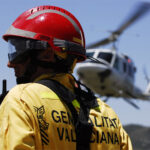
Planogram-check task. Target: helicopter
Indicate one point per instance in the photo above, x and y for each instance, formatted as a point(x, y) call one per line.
point(110, 73)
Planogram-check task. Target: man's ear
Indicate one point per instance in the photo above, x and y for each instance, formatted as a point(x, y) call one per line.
point(46, 55)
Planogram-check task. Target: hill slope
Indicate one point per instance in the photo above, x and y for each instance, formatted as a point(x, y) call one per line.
point(139, 135)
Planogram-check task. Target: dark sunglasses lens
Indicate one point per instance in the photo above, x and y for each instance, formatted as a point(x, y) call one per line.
point(20, 48)
point(16, 49)
point(17, 59)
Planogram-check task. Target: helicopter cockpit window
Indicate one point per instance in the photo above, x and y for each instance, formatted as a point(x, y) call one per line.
point(90, 54)
point(106, 56)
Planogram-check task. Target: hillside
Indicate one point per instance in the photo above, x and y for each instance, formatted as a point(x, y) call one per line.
point(139, 135)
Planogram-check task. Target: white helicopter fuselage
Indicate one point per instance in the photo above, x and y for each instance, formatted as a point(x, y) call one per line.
point(102, 79)
point(111, 74)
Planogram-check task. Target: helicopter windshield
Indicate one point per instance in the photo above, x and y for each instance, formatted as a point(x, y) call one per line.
point(90, 54)
point(106, 56)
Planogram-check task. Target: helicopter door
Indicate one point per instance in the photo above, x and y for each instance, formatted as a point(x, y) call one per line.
point(118, 64)
point(129, 69)
point(128, 75)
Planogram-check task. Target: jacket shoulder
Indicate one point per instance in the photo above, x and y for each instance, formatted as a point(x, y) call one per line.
point(28, 91)
point(105, 108)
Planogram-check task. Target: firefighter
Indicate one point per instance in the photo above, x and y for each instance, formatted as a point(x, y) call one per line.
point(49, 109)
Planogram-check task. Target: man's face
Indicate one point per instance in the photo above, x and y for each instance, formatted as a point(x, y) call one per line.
point(19, 68)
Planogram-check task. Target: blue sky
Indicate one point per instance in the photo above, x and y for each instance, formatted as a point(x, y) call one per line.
point(97, 18)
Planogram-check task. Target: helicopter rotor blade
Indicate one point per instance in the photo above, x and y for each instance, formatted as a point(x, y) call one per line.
point(131, 103)
point(142, 8)
point(99, 43)
point(140, 11)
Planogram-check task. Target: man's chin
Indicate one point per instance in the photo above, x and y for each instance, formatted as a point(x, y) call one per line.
point(21, 80)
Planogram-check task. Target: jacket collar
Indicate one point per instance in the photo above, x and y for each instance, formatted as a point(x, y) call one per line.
point(63, 78)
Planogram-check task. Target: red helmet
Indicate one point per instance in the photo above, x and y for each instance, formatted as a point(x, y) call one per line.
point(52, 24)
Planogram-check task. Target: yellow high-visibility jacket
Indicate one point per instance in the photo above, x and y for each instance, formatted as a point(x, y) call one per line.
point(32, 117)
